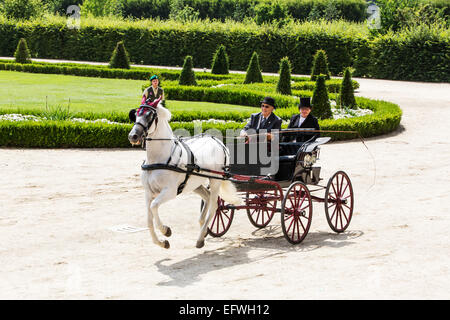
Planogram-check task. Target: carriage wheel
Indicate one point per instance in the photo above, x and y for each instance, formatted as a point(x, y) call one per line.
point(221, 221)
point(296, 212)
point(266, 203)
point(339, 201)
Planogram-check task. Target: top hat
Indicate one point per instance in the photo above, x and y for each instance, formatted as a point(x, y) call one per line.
point(305, 103)
point(269, 100)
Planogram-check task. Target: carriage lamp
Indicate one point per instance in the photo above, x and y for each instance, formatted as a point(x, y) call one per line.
point(309, 160)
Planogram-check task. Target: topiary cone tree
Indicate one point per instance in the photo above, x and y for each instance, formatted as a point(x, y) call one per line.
point(22, 54)
point(220, 61)
point(320, 65)
point(346, 93)
point(120, 58)
point(284, 80)
point(320, 102)
point(187, 76)
point(253, 70)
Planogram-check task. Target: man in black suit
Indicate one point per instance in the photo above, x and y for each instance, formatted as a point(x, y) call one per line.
point(265, 119)
point(303, 120)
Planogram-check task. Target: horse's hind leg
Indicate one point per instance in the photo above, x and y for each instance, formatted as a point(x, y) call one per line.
point(204, 193)
point(164, 196)
point(211, 207)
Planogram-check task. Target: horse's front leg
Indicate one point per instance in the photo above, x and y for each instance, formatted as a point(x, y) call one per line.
point(165, 195)
point(211, 206)
point(148, 201)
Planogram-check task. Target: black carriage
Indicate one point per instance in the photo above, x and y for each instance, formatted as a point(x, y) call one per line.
point(286, 190)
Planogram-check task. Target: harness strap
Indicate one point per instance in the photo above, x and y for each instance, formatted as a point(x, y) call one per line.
point(190, 166)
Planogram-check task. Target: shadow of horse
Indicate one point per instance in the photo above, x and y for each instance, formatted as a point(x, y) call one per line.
point(269, 243)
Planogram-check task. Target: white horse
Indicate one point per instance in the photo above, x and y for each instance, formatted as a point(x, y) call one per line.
point(161, 185)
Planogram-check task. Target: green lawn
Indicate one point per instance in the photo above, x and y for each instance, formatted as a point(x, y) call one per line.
point(29, 91)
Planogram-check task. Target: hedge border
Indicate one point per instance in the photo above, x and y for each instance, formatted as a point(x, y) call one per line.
point(137, 73)
point(66, 134)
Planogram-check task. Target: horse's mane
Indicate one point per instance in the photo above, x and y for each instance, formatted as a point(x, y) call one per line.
point(163, 113)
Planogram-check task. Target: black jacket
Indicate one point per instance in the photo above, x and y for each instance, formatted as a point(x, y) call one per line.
point(273, 122)
point(310, 122)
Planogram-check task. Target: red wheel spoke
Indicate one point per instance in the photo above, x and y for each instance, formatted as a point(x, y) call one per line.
point(291, 223)
point(346, 219)
point(337, 186)
point(303, 199)
point(212, 223)
point(298, 229)
point(340, 217)
point(343, 192)
point(293, 229)
point(342, 182)
point(337, 215)
point(346, 206)
point(335, 193)
point(333, 213)
point(303, 227)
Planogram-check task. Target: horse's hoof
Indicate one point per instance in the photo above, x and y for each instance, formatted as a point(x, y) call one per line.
point(200, 244)
point(168, 232)
point(166, 244)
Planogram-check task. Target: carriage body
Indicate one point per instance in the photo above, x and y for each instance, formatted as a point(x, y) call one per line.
point(285, 189)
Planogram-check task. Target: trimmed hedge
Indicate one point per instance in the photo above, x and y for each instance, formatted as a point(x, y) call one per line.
point(167, 42)
point(206, 79)
point(421, 53)
point(55, 134)
point(351, 10)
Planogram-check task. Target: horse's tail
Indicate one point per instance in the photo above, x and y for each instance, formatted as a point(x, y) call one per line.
point(229, 193)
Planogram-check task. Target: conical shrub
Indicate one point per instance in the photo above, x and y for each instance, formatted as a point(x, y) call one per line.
point(220, 62)
point(284, 80)
point(320, 65)
point(253, 70)
point(319, 101)
point(120, 58)
point(187, 76)
point(22, 54)
point(346, 93)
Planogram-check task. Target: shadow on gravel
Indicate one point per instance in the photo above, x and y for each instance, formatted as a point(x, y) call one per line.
point(268, 244)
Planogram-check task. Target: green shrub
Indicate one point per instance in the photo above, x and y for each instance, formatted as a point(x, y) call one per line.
point(331, 12)
point(420, 53)
point(266, 12)
point(220, 62)
point(284, 81)
point(351, 10)
point(320, 100)
point(22, 9)
point(187, 76)
point(253, 74)
point(169, 40)
point(100, 8)
point(22, 54)
point(120, 58)
point(346, 94)
point(320, 65)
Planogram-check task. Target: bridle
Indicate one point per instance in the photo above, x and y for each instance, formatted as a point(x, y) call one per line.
point(148, 111)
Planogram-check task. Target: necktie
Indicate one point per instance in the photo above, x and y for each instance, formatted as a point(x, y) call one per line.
point(263, 122)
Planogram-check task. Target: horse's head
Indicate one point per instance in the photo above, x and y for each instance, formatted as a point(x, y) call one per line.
point(145, 119)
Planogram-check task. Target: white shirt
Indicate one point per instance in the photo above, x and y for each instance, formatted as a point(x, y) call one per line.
point(300, 121)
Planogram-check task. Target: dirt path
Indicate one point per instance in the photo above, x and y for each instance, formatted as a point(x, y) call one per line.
point(56, 208)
